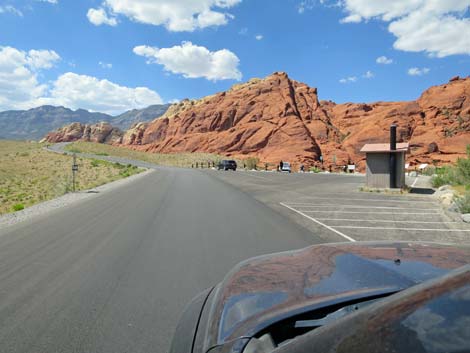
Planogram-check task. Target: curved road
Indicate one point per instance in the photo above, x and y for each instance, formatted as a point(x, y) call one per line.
point(113, 273)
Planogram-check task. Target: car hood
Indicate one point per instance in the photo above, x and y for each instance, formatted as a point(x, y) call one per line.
point(270, 288)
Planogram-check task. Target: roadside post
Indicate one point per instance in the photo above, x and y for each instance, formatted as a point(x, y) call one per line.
point(74, 170)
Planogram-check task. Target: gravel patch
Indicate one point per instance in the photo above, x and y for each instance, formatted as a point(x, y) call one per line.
point(46, 207)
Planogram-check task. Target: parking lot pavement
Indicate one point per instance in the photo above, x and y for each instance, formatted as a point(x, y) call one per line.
point(367, 217)
point(334, 209)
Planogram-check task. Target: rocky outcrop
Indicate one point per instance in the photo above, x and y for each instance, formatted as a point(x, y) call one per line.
point(101, 133)
point(437, 125)
point(277, 118)
point(273, 118)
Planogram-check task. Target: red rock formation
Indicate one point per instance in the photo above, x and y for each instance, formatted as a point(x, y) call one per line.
point(278, 118)
point(101, 132)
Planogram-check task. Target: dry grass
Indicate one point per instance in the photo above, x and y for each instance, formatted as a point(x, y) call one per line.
point(29, 174)
point(168, 159)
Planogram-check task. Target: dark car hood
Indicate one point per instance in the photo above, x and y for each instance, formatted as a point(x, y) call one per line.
point(266, 289)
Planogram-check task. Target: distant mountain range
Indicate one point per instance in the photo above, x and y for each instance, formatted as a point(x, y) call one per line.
point(34, 124)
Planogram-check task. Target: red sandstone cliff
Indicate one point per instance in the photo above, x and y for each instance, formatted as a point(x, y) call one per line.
point(278, 118)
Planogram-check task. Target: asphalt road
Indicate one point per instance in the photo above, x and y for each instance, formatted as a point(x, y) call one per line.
point(112, 274)
point(334, 209)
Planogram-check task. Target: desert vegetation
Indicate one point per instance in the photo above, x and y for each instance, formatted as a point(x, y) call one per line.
point(168, 159)
point(458, 176)
point(29, 174)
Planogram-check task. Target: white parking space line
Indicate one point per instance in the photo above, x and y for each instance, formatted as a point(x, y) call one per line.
point(354, 199)
point(368, 207)
point(367, 213)
point(382, 221)
point(318, 222)
point(414, 229)
point(414, 182)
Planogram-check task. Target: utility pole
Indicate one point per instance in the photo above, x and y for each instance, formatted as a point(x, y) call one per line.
point(74, 170)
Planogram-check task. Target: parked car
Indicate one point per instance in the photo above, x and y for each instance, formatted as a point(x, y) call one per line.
point(361, 297)
point(286, 167)
point(227, 165)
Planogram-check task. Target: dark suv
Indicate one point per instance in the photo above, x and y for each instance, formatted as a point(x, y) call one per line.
point(227, 164)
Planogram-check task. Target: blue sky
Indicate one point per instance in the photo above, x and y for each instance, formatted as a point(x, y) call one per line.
point(94, 54)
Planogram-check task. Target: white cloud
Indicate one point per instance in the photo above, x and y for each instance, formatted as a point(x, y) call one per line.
point(349, 79)
point(259, 37)
point(42, 59)
point(416, 71)
point(383, 60)
point(11, 9)
point(368, 75)
point(19, 83)
point(49, 1)
point(193, 61)
point(20, 87)
point(99, 17)
point(175, 15)
point(305, 5)
point(439, 28)
point(105, 65)
point(81, 91)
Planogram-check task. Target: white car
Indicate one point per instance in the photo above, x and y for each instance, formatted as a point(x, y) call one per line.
point(286, 167)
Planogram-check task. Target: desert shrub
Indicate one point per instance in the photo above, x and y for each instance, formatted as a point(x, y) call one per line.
point(463, 202)
point(463, 171)
point(18, 207)
point(95, 163)
point(73, 150)
point(438, 180)
point(430, 171)
point(251, 162)
point(453, 175)
point(315, 169)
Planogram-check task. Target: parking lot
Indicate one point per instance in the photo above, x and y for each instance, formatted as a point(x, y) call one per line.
point(334, 208)
point(370, 217)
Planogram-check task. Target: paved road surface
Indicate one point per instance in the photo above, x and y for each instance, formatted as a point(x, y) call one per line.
point(113, 274)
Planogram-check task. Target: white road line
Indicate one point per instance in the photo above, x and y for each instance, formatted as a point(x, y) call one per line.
point(379, 207)
point(350, 199)
point(414, 182)
point(363, 212)
point(419, 229)
point(320, 223)
point(380, 221)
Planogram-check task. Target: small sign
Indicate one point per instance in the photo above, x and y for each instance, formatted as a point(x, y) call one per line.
point(407, 165)
point(423, 166)
point(351, 167)
point(75, 167)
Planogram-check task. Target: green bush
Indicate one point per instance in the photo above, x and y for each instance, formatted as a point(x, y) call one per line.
point(251, 162)
point(73, 150)
point(18, 207)
point(95, 163)
point(463, 171)
point(463, 203)
point(438, 180)
point(449, 175)
point(315, 169)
